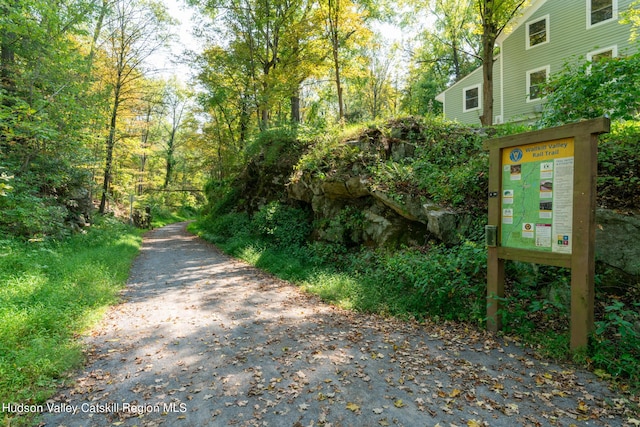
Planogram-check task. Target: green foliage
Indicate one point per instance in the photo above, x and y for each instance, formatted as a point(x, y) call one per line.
point(49, 292)
point(282, 225)
point(44, 200)
point(4, 179)
point(441, 282)
point(224, 227)
point(536, 295)
point(222, 197)
point(45, 109)
point(586, 90)
point(619, 166)
point(616, 344)
point(632, 16)
point(274, 224)
point(451, 166)
point(328, 152)
point(273, 144)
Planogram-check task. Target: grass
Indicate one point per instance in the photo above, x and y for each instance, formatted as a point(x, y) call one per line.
point(50, 292)
point(161, 217)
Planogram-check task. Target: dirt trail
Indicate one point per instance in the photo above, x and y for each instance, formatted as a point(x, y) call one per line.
point(204, 340)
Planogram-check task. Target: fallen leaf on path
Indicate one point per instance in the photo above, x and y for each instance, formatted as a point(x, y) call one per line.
point(353, 407)
point(511, 409)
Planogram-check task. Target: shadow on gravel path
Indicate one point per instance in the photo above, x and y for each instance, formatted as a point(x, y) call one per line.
point(201, 339)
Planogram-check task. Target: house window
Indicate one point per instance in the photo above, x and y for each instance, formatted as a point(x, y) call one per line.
point(601, 11)
point(538, 32)
point(536, 79)
point(606, 53)
point(602, 54)
point(471, 98)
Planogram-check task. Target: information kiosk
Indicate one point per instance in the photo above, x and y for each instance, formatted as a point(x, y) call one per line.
point(542, 202)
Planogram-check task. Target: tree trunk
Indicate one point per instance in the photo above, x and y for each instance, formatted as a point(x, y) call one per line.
point(336, 64)
point(495, 16)
point(108, 166)
point(143, 162)
point(96, 32)
point(295, 108)
point(333, 17)
point(455, 52)
point(489, 34)
point(487, 86)
point(244, 120)
point(170, 161)
point(110, 144)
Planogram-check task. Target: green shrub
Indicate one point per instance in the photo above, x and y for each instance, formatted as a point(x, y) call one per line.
point(222, 197)
point(27, 214)
point(447, 283)
point(273, 144)
point(283, 225)
point(584, 90)
point(616, 344)
point(619, 166)
point(227, 226)
point(452, 167)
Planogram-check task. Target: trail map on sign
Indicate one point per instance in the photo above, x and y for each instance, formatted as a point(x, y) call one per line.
point(537, 196)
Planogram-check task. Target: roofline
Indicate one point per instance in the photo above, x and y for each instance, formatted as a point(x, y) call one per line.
point(440, 97)
point(520, 19)
point(512, 25)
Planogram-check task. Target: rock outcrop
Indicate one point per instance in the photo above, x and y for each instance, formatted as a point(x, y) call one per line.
point(352, 208)
point(388, 220)
point(618, 240)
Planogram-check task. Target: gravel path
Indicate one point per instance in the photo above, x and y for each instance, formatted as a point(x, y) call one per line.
point(201, 339)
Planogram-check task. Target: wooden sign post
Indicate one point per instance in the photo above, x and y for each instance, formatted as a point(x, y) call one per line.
point(542, 202)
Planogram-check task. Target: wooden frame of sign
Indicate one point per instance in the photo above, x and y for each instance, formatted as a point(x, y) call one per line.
point(542, 201)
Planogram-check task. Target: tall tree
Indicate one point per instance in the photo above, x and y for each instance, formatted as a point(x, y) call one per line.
point(133, 31)
point(266, 40)
point(494, 17)
point(177, 102)
point(149, 111)
point(446, 51)
point(455, 33)
point(8, 39)
point(370, 90)
point(342, 20)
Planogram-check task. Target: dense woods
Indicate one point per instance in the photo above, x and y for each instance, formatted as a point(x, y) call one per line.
point(88, 121)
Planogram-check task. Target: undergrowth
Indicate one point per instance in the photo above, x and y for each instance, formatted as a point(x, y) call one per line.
point(49, 293)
